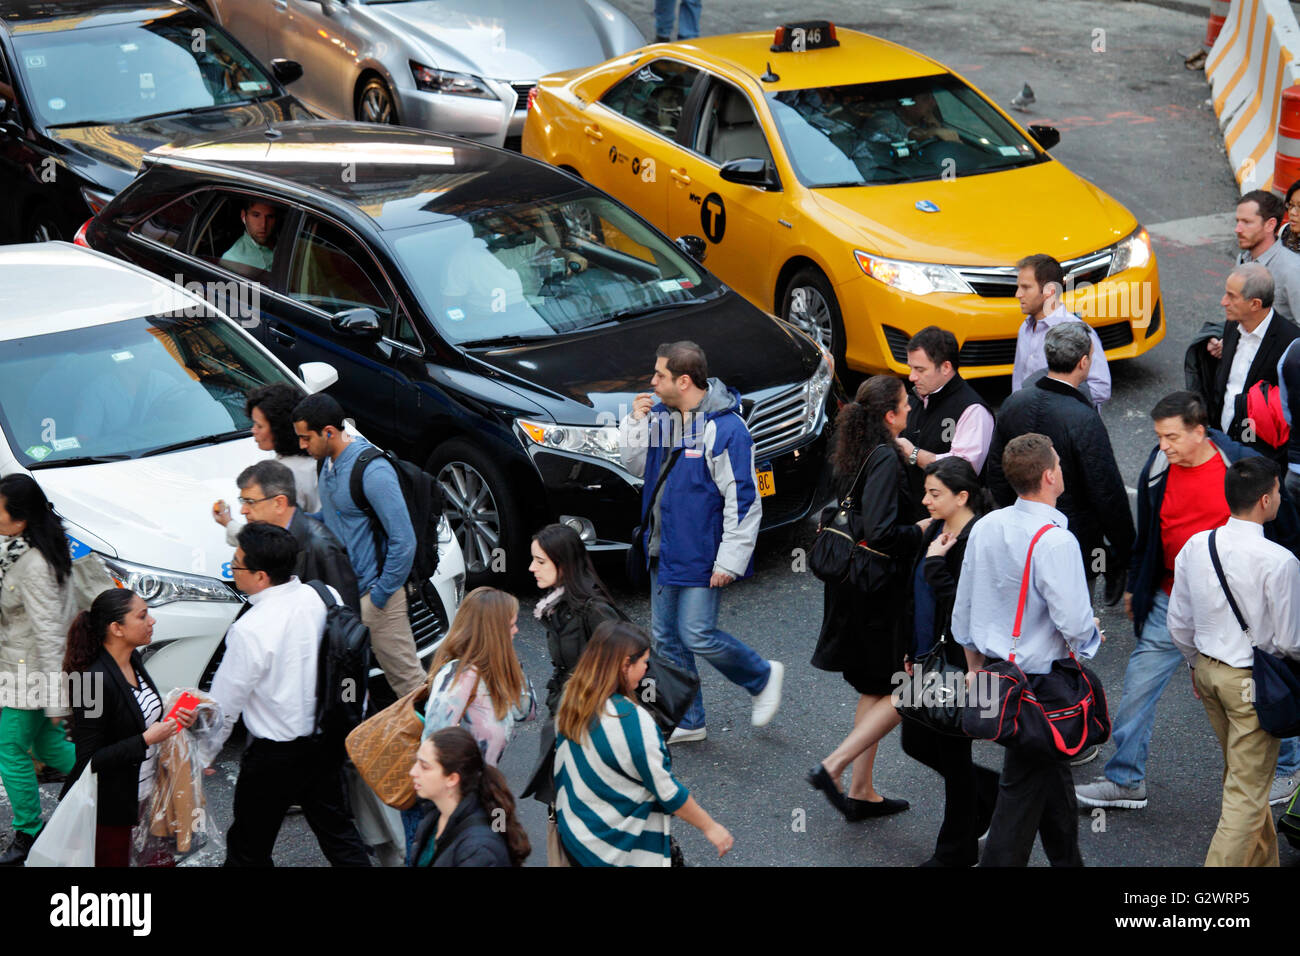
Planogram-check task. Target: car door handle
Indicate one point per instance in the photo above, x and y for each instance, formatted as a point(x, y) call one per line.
point(594, 132)
point(680, 176)
point(282, 336)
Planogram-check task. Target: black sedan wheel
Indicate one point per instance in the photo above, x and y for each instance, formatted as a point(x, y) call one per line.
point(42, 225)
point(481, 509)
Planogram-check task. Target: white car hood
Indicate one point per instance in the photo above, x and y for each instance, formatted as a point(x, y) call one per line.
point(155, 511)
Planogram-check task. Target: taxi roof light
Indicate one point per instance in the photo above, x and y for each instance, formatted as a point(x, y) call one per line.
point(803, 36)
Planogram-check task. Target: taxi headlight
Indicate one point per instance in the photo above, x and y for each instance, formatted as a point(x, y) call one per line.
point(1133, 253)
point(918, 278)
point(600, 441)
point(159, 587)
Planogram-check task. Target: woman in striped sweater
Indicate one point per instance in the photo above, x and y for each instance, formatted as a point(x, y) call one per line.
point(614, 782)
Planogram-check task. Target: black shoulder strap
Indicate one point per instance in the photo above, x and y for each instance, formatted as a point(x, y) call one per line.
point(663, 476)
point(322, 591)
point(847, 501)
point(358, 492)
point(1223, 582)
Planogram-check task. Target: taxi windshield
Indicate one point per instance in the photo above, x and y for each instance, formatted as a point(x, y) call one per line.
point(930, 127)
point(544, 267)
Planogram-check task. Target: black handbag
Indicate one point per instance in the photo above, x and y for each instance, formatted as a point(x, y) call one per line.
point(934, 692)
point(636, 562)
point(840, 552)
point(1277, 687)
point(667, 691)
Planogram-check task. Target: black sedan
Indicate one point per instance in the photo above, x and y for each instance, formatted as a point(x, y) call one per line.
point(88, 86)
point(490, 317)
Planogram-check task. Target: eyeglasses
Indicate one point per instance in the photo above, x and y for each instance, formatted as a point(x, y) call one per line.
point(249, 502)
point(238, 567)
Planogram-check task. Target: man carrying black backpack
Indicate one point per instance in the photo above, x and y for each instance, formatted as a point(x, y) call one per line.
point(382, 551)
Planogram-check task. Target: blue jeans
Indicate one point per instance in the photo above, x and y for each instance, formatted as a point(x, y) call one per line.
point(1155, 659)
point(684, 623)
point(688, 21)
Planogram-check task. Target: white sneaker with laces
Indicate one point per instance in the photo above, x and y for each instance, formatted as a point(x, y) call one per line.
point(683, 736)
point(768, 701)
point(1283, 788)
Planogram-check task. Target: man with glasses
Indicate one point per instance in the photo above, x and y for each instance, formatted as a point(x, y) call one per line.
point(267, 492)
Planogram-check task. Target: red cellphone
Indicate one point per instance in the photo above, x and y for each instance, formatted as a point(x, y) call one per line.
point(187, 701)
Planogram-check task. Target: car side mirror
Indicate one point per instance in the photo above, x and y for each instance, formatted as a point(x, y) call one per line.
point(357, 323)
point(1045, 136)
point(693, 246)
point(750, 172)
point(9, 118)
point(317, 376)
point(286, 71)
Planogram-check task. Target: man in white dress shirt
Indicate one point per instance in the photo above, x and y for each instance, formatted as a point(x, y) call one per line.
point(1033, 795)
point(268, 675)
point(1264, 578)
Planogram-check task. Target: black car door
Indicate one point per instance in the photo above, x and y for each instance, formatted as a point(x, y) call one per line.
point(21, 166)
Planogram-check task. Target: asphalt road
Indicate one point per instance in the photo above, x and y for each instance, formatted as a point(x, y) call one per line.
point(1137, 123)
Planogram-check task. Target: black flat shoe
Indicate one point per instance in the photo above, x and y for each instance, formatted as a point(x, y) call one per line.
point(819, 779)
point(21, 845)
point(855, 810)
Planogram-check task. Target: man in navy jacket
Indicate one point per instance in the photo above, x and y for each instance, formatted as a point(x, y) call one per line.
point(702, 526)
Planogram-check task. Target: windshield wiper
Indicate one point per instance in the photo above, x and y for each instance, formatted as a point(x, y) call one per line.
point(79, 460)
point(198, 109)
point(80, 124)
point(858, 182)
point(503, 340)
point(192, 442)
point(623, 315)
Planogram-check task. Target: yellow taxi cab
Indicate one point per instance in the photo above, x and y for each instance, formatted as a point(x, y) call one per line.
point(853, 187)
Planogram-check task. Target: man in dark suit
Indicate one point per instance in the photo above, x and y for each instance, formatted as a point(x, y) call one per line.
point(267, 493)
point(1254, 339)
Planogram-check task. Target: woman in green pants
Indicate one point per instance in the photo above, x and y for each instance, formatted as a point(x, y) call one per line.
point(36, 607)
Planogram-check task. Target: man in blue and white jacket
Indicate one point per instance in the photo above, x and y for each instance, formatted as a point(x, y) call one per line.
point(700, 532)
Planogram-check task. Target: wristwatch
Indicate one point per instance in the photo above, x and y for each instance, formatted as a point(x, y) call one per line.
point(911, 459)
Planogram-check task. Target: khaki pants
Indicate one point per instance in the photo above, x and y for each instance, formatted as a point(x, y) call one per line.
point(392, 642)
point(1245, 835)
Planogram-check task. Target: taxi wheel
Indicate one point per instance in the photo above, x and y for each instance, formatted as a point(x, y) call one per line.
point(809, 304)
point(375, 103)
point(480, 508)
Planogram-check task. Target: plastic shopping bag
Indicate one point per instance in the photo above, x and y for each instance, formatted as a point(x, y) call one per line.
point(174, 822)
point(69, 838)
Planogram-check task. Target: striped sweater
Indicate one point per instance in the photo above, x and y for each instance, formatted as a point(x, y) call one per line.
point(616, 790)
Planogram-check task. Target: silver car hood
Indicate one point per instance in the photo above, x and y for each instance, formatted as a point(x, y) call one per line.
point(512, 40)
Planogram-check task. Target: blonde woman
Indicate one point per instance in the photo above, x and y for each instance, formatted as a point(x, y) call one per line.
point(614, 782)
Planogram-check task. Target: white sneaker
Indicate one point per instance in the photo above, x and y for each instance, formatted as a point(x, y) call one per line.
point(768, 700)
point(1282, 789)
point(683, 736)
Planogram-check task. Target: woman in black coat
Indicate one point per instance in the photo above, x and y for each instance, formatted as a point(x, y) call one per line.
point(955, 500)
point(575, 602)
point(473, 821)
point(863, 636)
point(117, 722)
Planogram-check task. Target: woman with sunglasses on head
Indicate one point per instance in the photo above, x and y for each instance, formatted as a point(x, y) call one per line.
point(36, 605)
point(956, 500)
point(614, 783)
point(118, 725)
point(472, 821)
point(1287, 234)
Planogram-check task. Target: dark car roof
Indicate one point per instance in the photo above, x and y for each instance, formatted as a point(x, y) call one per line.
point(75, 14)
point(398, 177)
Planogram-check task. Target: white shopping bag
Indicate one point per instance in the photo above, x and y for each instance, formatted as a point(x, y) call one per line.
point(69, 838)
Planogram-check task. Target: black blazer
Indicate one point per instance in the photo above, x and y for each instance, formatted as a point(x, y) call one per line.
point(1281, 333)
point(110, 737)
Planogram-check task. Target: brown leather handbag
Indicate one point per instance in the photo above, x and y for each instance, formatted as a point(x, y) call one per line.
point(383, 748)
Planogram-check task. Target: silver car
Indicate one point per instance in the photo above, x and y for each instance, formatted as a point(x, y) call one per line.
point(454, 66)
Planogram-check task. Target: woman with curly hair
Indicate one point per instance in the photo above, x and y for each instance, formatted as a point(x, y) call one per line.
point(863, 636)
point(270, 407)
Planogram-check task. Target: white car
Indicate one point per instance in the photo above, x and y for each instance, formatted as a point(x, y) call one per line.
point(122, 394)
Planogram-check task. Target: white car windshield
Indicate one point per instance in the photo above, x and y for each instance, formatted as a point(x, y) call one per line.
point(129, 71)
point(127, 389)
point(544, 268)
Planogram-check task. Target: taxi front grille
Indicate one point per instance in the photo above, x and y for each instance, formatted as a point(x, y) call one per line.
point(999, 282)
point(1003, 351)
point(778, 422)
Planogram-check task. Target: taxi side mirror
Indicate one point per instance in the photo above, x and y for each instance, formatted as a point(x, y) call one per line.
point(357, 323)
point(693, 246)
point(1045, 136)
point(750, 172)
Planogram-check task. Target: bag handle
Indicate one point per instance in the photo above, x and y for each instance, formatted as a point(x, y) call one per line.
point(1227, 592)
point(1024, 590)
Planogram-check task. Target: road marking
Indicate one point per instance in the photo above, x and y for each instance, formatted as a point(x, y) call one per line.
point(1197, 230)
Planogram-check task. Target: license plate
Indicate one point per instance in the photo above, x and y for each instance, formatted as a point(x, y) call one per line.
point(766, 484)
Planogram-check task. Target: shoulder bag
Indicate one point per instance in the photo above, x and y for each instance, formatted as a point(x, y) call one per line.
point(932, 694)
point(636, 555)
point(1277, 688)
point(840, 552)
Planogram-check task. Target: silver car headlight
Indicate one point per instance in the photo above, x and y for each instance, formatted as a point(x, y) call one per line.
point(817, 387)
point(430, 80)
point(918, 278)
point(159, 587)
point(1133, 253)
point(600, 441)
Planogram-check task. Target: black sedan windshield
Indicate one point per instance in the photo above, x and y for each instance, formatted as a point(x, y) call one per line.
point(931, 127)
point(544, 268)
point(125, 71)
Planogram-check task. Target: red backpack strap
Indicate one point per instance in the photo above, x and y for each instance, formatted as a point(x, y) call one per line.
point(1024, 589)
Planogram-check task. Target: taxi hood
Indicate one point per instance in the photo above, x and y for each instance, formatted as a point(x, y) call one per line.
point(155, 511)
point(1039, 208)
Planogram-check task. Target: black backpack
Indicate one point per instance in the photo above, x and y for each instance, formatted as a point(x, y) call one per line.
point(423, 503)
point(342, 670)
